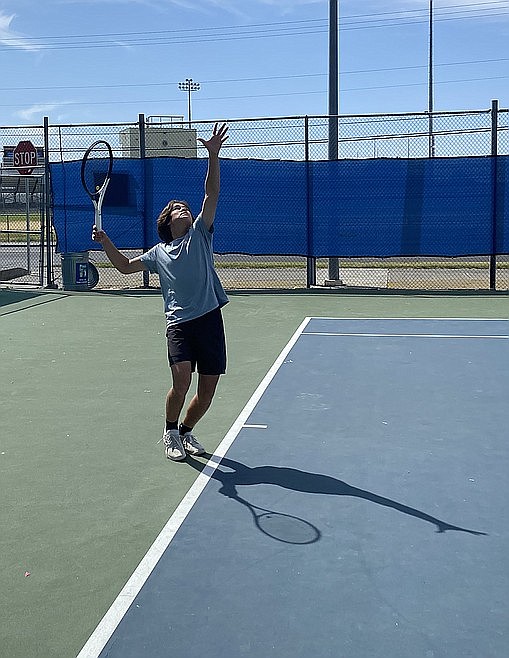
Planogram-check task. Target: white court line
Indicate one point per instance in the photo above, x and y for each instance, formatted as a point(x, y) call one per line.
point(359, 319)
point(324, 333)
point(256, 427)
point(120, 606)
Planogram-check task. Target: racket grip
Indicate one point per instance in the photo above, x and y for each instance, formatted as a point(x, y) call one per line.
point(99, 222)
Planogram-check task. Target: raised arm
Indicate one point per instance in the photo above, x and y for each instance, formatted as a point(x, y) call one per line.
point(117, 259)
point(212, 179)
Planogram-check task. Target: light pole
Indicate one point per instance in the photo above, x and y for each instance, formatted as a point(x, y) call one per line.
point(333, 104)
point(333, 80)
point(431, 137)
point(189, 86)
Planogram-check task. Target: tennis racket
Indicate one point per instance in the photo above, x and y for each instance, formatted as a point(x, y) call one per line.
point(285, 528)
point(96, 169)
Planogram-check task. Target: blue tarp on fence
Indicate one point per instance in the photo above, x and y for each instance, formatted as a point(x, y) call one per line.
point(73, 213)
point(346, 208)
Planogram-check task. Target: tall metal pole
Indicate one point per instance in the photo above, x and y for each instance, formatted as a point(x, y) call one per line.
point(333, 103)
point(50, 279)
point(189, 86)
point(431, 137)
point(333, 80)
point(495, 202)
point(143, 157)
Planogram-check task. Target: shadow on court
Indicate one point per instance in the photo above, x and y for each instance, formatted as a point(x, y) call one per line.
point(303, 481)
point(25, 299)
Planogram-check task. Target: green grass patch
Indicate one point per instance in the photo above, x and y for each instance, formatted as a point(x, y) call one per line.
point(19, 220)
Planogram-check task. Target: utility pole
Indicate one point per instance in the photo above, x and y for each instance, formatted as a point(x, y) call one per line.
point(333, 80)
point(333, 105)
point(189, 86)
point(431, 137)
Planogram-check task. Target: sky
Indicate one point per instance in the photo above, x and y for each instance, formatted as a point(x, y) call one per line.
point(92, 61)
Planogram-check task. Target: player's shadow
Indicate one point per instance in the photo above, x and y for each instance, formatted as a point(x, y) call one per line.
point(239, 474)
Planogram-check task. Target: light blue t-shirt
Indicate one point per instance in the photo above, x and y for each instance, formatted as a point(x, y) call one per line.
point(189, 283)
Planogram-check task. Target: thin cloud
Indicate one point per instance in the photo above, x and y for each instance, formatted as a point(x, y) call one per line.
point(123, 44)
point(290, 4)
point(10, 38)
point(39, 110)
point(284, 5)
point(240, 8)
point(151, 4)
point(205, 6)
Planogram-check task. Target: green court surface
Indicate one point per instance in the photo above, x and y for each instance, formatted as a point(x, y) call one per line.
point(85, 488)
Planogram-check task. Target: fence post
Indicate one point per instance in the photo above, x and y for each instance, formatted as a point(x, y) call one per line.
point(143, 155)
point(311, 260)
point(50, 279)
point(494, 186)
point(334, 270)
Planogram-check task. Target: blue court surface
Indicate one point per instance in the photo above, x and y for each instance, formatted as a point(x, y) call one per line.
point(356, 508)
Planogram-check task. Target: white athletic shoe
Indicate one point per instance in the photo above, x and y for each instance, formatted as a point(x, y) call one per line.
point(173, 447)
point(191, 444)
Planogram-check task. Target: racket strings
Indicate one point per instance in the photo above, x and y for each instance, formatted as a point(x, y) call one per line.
point(96, 167)
point(95, 174)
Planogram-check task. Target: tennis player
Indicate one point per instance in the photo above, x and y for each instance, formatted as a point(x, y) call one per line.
point(193, 297)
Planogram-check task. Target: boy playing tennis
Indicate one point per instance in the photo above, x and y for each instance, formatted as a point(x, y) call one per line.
point(193, 297)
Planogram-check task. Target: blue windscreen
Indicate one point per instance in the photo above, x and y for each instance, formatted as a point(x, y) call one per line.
point(501, 240)
point(73, 212)
point(428, 207)
point(346, 208)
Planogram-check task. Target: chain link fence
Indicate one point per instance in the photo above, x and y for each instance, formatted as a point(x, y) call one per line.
point(27, 244)
point(22, 216)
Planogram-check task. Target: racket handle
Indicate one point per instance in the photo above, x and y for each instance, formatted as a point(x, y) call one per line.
point(99, 222)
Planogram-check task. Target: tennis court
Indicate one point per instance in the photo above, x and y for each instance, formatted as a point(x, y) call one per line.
point(374, 433)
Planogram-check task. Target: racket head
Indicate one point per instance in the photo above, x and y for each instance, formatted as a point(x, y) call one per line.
point(96, 166)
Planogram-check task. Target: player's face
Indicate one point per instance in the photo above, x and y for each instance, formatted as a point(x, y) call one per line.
point(181, 219)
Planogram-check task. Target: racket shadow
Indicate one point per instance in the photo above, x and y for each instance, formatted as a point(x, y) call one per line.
point(285, 528)
point(239, 474)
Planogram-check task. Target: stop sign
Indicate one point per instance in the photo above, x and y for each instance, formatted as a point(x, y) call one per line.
point(25, 157)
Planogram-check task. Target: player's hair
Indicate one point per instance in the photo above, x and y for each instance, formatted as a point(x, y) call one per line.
point(164, 220)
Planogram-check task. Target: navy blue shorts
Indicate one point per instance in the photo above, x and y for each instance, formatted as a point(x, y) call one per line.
point(200, 341)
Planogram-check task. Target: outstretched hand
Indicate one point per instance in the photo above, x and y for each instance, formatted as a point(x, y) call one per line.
point(219, 136)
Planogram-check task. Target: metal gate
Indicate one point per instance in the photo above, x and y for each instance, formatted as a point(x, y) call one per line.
point(22, 227)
